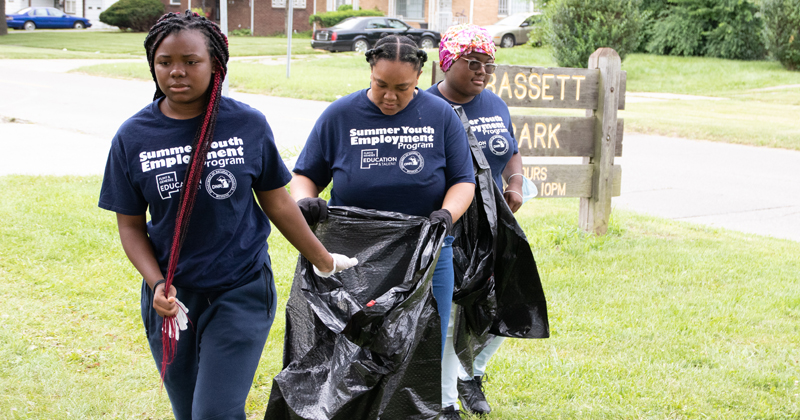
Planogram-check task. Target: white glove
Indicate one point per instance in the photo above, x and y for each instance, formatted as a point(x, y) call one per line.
point(179, 322)
point(340, 262)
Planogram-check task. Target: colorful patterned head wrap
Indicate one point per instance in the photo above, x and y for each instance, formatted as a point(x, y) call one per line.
point(461, 40)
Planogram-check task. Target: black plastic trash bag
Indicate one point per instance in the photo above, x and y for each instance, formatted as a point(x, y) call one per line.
point(497, 285)
point(366, 342)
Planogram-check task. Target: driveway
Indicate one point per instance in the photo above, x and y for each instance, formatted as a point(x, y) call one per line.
point(68, 120)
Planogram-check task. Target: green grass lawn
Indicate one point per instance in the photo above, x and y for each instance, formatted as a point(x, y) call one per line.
point(46, 44)
point(656, 320)
point(749, 115)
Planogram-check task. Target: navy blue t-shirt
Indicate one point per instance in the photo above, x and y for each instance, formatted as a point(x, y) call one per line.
point(490, 121)
point(226, 242)
point(403, 162)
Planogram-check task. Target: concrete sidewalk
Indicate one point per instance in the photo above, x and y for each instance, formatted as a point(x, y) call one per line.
point(69, 120)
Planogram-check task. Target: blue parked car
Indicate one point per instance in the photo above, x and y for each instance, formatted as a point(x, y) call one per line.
point(31, 18)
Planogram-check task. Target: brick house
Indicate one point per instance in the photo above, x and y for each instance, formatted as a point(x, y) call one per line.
point(268, 17)
point(441, 14)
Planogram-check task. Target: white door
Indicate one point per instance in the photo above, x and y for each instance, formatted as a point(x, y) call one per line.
point(93, 10)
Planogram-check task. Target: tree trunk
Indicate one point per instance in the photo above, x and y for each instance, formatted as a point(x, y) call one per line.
point(3, 27)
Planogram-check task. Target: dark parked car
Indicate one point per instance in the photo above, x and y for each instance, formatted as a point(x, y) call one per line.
point(361, 33)
point(31, 18)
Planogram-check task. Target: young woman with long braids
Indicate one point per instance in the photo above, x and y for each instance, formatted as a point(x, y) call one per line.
point(466, 56)
point(425, 166)
point(194, 159)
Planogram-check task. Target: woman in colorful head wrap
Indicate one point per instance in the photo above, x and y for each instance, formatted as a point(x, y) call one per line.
point(466, 55)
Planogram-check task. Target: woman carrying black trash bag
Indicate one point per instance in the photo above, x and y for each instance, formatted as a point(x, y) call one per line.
point(466, 56)
point(391, 147)
point(208, 295)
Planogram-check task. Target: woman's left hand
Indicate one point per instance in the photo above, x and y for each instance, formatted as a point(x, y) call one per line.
point(513, 198)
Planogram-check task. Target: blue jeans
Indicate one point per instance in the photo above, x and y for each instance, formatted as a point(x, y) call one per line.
point(482, 359)
point(443, 283)
point(218, 354)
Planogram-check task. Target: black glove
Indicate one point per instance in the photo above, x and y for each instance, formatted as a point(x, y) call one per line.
point(443, 216)
point(314, 209)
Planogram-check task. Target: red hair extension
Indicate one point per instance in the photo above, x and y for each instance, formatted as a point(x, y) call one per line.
point(188, 197)
point(217, 44)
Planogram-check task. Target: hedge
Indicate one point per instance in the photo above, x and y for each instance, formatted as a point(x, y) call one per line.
point(328, 19)
point(138, 15)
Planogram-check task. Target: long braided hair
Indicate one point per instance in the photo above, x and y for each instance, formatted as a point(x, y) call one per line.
point(397, 48)
point(217, 44)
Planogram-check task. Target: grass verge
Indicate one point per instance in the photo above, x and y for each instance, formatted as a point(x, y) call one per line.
point(750, 114)
point(46, 44)
point(731, 121)
point(658, 319)
point(14, 52)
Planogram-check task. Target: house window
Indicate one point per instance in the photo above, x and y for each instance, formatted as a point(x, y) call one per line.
point(509, 7)
point(411, 9)
point(280, 4)
point(69, 6)
point(175, 2)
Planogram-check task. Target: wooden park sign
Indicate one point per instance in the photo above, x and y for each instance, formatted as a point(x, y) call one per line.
point(597, 137)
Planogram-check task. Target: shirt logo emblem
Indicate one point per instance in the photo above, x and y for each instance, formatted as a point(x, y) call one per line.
point(498, 145)
point(168, 184)
point(220, 184)
point(412, 162)
point(370, 158)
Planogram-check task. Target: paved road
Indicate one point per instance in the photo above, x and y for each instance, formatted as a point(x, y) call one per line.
point(71, 118)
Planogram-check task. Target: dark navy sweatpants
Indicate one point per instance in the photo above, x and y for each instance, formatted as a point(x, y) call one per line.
point(218, 354)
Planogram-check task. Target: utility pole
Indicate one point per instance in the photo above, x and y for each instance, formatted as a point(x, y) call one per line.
point(223, 25)
point(289, 18)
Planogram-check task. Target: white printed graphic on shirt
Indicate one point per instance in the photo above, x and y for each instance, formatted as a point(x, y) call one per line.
point(404, 137)
point(221, 154)
point(488, 125)
point(370, 158)
point(412, 162)
point(498, 145)
point(220, 184)
point(168, 184)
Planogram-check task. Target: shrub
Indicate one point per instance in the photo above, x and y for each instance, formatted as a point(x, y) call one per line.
point(651, 10)
point(329, 19)
point(240, 32)
point(782, 19)
point(540, 29)
point(200, 11)
point(579, 28)
point(138, 15)
point(714, 28)
point(343, 7)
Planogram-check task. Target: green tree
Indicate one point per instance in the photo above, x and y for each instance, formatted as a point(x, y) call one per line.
point(782, 18)
point(715, 28)
point(578, 28)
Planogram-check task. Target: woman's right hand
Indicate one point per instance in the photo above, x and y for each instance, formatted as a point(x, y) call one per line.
point(314, 210)
point(165, 306)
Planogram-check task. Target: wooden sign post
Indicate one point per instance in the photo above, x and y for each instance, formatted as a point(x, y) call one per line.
point(597, 137)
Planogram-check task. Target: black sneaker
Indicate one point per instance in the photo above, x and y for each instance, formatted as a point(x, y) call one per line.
point(450, 413)
point(470, 393)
